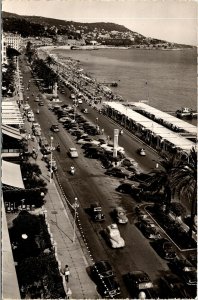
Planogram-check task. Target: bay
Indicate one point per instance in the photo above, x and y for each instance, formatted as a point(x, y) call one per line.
point(168, 79)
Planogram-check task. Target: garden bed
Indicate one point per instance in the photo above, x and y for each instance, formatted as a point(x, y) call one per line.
point(37, 269)
point(173, 229)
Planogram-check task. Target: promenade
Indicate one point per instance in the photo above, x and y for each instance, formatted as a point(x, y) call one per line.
point(61, 226)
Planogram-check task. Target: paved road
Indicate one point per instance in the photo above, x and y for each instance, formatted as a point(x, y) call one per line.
point(90, 184)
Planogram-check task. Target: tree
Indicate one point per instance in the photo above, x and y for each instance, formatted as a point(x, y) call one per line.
point(50, 60)
point(184, 183)
point(161, 178)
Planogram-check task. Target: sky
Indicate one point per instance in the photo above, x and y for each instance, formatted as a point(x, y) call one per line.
point(170, 20)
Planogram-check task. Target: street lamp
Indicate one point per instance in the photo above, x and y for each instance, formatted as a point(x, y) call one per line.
point(75, 206)
point(51, 171)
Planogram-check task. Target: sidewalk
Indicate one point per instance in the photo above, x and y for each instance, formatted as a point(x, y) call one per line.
point(61, 228)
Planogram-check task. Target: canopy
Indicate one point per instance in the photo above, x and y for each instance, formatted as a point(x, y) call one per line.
point(11, 175)
point(165, 116)
point(11, 114)
point(157, 129)
point(10, 131)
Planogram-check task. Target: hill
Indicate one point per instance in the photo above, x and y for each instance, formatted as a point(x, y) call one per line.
point(102, 32)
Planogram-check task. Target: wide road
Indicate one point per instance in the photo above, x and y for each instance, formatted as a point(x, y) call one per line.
point(89, 184)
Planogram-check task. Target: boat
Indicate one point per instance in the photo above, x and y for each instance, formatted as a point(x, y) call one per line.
point(186, 112)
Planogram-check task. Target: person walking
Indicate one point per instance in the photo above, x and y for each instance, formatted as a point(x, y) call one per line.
point(67, 273)
point(69, 293)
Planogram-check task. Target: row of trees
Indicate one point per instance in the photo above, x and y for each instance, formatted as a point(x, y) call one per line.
point(177, 178)
point(44, 71)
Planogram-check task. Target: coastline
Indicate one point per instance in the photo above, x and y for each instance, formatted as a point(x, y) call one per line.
point(98, 47)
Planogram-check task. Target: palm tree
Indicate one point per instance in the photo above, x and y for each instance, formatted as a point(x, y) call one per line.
point(161, 178)
point(49, 60)
point(184, 183)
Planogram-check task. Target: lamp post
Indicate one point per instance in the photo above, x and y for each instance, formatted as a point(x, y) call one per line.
point(51, 139)
point(75, 206)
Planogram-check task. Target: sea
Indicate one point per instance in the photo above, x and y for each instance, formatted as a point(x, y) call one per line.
point(167, 79)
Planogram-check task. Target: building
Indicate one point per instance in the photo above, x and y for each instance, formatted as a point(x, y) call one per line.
point(3, 50)
point(13, 40)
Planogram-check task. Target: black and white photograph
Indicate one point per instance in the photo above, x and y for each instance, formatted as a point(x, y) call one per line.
point(99, 149)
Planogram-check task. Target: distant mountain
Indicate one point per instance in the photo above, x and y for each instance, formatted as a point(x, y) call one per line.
point(108, 33)
point(49, 26)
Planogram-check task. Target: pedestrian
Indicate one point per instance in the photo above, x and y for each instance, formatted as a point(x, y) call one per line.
point(69, 293)
point(102, 131)
point(67, 273)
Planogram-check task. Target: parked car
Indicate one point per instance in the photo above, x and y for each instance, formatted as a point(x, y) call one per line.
point(72, 96)
point(120, 215)
point(73, 153)
point(114, 237)
point(108, 287)
point(172, 288)
point(41, 103)
point(130, 189)
point(84, 110)
point(149, 232)
point(141, 152)
point(96, 212)
point(185, 270)
point(102, 269)
point(139, 281)
point(84, 140)
point(118, 172)
point(37, 99)
point(54, 128)
point(165, 249)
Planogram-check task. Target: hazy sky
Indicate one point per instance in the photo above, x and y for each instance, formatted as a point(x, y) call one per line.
point(172, 20)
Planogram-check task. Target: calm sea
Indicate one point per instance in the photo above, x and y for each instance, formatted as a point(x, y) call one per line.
point(171, 76)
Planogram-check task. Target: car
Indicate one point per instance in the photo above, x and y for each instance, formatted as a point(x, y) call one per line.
point(128, 162)
point(137, 282)
point(109, 148)
point(172, 288)
point(80, 101)
point(165, 249)
point(148, 223)
point(41, 103)
point(96, 212)
point(31, 119)
point(37, 99)
point(185, 270)
point(149, 232)
point(54, 128)
point(62, 92)
point(73, 153)
point(102, 269)
point(84, 140)
point(130, 189)
point(26, 106)
point(84, 110)
point(118, 172)
point(113, 235)
point(51, 164)
point(93, 151)
point(108, 287)
point(72, 96)
point(141, 151)
point(120, 215)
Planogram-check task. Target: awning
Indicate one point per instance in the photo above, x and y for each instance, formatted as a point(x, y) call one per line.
point(11, 114)
point(10, 131)
point(155, 128)
point(11, 175)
